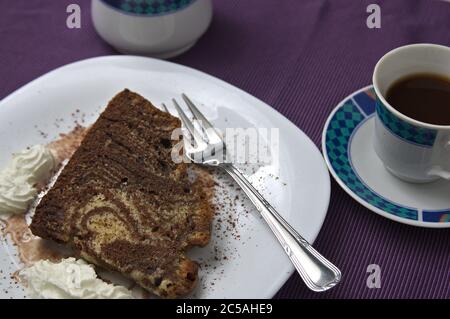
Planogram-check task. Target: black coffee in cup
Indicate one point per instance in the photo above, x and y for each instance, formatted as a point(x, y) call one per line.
point(423, 97)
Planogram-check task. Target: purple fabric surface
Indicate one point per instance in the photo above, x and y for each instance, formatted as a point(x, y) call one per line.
point(302, 58)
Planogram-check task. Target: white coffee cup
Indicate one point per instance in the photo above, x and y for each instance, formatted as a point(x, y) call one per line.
point(410, 149)
point(157, 28)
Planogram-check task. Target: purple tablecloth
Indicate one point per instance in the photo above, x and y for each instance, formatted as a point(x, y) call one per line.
point(301, 57)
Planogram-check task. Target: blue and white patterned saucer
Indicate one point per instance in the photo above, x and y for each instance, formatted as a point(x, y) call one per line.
point(351, 159)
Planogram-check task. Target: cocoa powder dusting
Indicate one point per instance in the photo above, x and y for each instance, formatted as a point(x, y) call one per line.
point(67, 144)
point(30, 248)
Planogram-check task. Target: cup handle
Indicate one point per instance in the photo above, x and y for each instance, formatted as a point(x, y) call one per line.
point(440, 171)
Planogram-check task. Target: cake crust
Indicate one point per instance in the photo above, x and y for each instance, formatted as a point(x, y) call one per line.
point(123, 204)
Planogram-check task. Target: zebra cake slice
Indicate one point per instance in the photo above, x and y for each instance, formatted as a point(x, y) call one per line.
point(124, 205)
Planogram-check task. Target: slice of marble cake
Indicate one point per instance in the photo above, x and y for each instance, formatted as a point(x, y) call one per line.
point(123, 204)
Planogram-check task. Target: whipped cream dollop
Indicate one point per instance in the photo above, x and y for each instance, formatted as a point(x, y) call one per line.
point(19, 178)
point(69, 279)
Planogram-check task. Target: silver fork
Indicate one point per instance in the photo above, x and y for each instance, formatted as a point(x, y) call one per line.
point(317, 272)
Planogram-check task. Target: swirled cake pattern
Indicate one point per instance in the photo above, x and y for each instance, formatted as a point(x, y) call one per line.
point(123, 204)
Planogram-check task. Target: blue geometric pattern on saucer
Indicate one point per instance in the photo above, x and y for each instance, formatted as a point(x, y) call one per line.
point(436, 216)
point(148, 7)
point(411, 133)
point(365, 103)
point(338, 135)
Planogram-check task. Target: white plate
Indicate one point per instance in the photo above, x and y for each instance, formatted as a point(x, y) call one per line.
point(256, 266)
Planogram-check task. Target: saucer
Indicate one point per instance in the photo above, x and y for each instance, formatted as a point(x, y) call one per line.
point(347, 144)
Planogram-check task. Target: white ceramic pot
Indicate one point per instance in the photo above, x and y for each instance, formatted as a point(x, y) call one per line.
point(157, 28)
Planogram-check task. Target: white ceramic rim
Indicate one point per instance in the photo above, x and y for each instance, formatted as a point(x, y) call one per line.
point(351, 193)
point(381, 96)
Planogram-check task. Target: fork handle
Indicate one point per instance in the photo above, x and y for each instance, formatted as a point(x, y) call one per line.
point(316, 271)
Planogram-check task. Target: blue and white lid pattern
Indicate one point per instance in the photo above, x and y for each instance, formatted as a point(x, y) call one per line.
point(149, 7)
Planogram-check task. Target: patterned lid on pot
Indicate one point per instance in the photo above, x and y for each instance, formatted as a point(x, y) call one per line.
point(148, 7)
